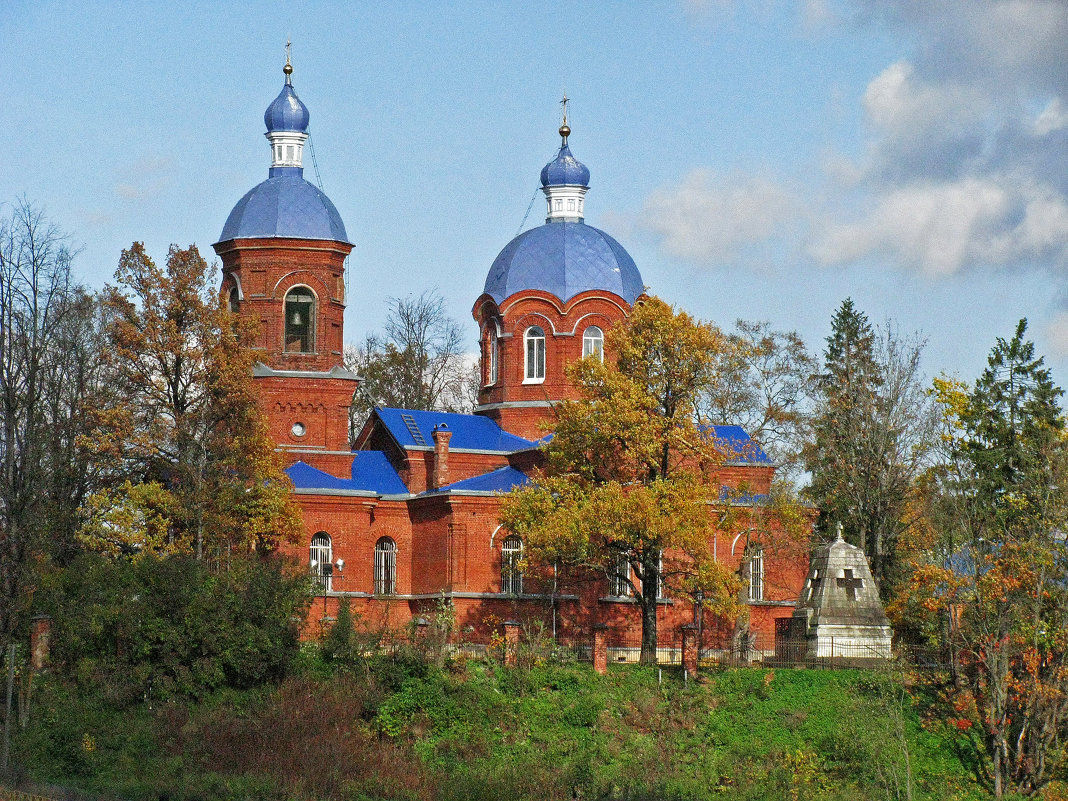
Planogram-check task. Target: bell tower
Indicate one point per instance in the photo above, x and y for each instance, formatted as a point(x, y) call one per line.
point(283, 251)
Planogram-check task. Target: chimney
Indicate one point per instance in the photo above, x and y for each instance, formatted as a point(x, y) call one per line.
point(440, 475)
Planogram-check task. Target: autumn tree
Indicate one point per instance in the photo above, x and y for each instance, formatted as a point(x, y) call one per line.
point(417, 363)
point(626, 490)
point(765, 383)
point(872, 433)
point(195, 468)
point(998, 570)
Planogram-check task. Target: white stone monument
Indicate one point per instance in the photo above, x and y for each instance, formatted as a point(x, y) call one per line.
point(839, 613)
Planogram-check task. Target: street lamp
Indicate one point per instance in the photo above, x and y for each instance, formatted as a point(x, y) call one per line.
point(326, 574)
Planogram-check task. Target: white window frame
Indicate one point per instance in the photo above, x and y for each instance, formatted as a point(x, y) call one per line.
point(755, 574)
point(511, 575)
point(385, 576)
point(534, 355)
point(660, 576)
point(593, 343)
point(321, 560)
point(494, 355)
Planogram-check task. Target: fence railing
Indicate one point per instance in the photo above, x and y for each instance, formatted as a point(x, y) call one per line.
point(836, 654)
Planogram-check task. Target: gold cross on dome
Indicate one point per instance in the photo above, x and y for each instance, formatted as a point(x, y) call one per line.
point(564, 104)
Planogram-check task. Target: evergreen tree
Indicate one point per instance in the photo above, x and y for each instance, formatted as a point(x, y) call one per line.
point(997, 570)
point(1013, 422)
point(871, 434)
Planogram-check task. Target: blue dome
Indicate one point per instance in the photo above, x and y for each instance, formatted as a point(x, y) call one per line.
point(285, 205)
point(565, 170)
point(287, 113)
point(564, 259)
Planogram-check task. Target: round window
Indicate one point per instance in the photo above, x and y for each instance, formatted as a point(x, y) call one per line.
point(299, 430)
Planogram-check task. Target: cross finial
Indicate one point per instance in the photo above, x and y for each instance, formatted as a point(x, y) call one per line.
point(565, 130)
point(288, 68)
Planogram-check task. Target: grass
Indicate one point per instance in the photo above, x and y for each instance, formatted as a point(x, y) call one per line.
point(475, 730)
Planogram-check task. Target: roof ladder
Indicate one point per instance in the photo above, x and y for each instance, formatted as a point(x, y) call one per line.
point(413, 429)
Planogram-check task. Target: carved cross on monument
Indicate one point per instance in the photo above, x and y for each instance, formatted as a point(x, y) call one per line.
point(851, 584)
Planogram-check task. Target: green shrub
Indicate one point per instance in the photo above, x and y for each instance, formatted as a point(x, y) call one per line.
point(157, 629)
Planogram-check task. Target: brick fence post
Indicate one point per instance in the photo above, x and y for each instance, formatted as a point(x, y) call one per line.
point(689, 649)
point(600, 648)
point(40, 640)
point(511, 642)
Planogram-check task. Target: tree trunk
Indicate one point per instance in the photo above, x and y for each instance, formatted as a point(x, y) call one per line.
point(649, 641)
point(650, 578)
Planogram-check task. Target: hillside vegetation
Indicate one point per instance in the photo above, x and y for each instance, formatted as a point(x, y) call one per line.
point(399, 726)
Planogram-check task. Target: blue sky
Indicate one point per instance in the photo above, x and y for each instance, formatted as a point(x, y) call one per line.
point(760, 160)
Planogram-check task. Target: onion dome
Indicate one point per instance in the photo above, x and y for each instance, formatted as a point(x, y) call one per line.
point(565, 170)
point(285, 205)
point(287, 113)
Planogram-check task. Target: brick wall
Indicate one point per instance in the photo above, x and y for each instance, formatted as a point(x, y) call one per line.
point(563, 325)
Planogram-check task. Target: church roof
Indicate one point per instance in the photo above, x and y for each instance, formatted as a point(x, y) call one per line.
point(503, 479)
point(564, 259)
point(285, 205)
point(371, 473)
point(739, 446)
point(413, 429)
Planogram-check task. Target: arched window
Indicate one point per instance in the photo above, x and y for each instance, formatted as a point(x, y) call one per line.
point(321, 560)
point(235, 300)
point(535, 360)
point(593, 343)
point(511, 575)
point(385, 567)
point(494, 354)
point(754, 569)
point(300, 320)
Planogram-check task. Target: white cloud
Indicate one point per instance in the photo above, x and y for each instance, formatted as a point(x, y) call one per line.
point(939, 228)
point(1057, 334)
point(708, 217)
point(1054, 117)
point(911, 116)
point(963, 162)
point(993, 43)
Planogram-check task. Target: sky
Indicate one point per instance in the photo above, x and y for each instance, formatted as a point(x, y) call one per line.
point(759, 159)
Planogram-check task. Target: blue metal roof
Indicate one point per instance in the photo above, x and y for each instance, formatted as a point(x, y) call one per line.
point(746, 499)
point(371, 472)
point(285, 205)
point(503, 479)
point(564, 259)
point(565, 170)
point(286, 112)
point(469, 431)
point(740, 447)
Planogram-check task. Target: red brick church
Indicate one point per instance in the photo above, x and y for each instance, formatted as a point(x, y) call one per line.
point(407, 513)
